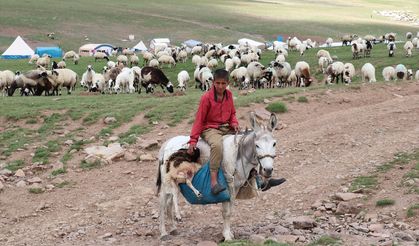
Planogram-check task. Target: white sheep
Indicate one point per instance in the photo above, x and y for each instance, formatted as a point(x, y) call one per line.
point(147, 57)
point(166, 59)
point(182, 56)
point(348, 72)
point(183, 79)
point(33, 58)
point(205, 78)
point(134, 60)
point(122, 59)
point(69, 54)
point(44, 61)
point(283, 71)
point(110, 64)
point(99, 83)
point(389, 73)
point(417, 75)
point(61, 64)
point(6, 79)
point(280, 58)
point(237, 61)
point(125, 81)
point(210, 53)
point(302, 48)
point(163, 53)
point(76, 59)
point(323, 64)
point(335, 70)
point(255, 71)
point(293, 43)
point(409, 35)
point(196, 59)
point(292, 78)
point(203, 61)
point(229, 64)
point(368, 73)
point(402, 72)
point(408, 47)
point(87, 78)
point(127, 52)
point(213, 63)
point(239, 76)
point(196, 50)
point(154, 63)
point(329, 42)
point(281, 50)
point(324, 53)
point(302, 71)
point(99, 55)
point(63, 78)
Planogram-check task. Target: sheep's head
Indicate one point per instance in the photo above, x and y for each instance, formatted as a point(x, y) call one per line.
point(89, 68)
point(409, 74)
point(169, 87)
point(149, 89)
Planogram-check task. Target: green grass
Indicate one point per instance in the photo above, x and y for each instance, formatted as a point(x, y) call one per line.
point(277, 107)
point(13, 139)
point(36, 190)
point(31, 121)
point(15, 165)
point(130, 137)
point(58, 171)
point(63, 184)
point(325, 240)
point(411, 211)
point(88, 166)
point(43, 153)
point(302, 99)
point(385, 202)
point(363, 182)
point(402, 158)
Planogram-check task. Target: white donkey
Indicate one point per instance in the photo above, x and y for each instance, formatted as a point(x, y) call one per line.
point(241, 154)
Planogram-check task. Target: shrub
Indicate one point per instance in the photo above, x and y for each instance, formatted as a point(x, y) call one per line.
point(277, 107)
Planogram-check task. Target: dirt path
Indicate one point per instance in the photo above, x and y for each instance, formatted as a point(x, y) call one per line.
point(338, 135)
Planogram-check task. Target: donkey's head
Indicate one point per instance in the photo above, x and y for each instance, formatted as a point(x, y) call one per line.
point(264, 143)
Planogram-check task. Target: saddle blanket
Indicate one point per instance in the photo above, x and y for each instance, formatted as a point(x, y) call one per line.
point(202, 182)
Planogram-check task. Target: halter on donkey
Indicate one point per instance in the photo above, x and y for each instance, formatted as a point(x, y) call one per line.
point(241, 154)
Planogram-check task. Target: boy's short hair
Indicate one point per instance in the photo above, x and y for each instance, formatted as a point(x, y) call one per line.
point(221, 74)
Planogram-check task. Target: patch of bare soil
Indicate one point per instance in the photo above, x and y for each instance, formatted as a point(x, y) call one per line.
point(322, 145)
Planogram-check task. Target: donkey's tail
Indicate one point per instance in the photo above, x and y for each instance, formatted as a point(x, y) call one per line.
point(158, 182)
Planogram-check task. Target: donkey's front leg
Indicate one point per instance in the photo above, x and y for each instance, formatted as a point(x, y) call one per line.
point(227, 209)
point(162, 214)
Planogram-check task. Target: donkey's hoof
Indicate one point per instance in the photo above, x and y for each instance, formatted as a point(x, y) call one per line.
point(174, 232)
point(165, 237)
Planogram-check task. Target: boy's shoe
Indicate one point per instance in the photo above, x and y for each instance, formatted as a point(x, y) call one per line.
point(271, 183)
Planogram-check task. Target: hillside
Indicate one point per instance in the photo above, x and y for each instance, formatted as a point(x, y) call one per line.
point(212, 21)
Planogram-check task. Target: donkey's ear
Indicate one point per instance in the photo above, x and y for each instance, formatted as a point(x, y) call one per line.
point(253, 121)
point(273, 121)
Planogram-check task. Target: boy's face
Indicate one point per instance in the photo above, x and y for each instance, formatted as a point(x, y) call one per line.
point(220, 85)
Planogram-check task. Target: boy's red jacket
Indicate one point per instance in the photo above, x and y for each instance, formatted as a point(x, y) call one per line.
point(212, 114)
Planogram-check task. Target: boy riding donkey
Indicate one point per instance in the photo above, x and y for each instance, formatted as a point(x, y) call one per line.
point(215, 118)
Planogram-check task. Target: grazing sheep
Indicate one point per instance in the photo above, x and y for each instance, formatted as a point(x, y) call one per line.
point(44, 61)
point(69, 54)
point(62, 78)
point(239, 77)
point(163, 53)
point(281, 51)
point(204, 78)
point(335, 70)
point(210, 53)
point(183, 79)
point(134, 60)
point(292, 79)
point(302, 71)
point(166, 59)
point(147, 57)
point(153, 76)
point(346, 39)
point(76, 59)
point(348, 72)
point(154, 63)
point(203, 61)
point(196, 60)
point(33, 58)
point(368, 73)
point(87, 78)
point(99, 83)
point(61, 64)
point(99, 55)
point(127, 52)
point(329, 42)
point(408, 47)
point(403, 73)
point(110, 76)
point(391, 46)
point(125, 81)
point(110, 64)
point(122, 59)
point(27, 82)
point(6, 80)
point(417, 75)
point(409, 35)
point(323, 64)
point(293, 43)
point(196, 50)
point(324, 53)
point(237, 61)
point(389, 73)
point(229, 64)
point(255, 72)
point(355, 47)
point(182, 56)
point(367, 48)
point(283, 71)
point(213, 63)
point(280, 58)
point(302, 48)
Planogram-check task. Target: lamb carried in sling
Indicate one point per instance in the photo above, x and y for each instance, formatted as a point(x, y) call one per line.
point(241, 155)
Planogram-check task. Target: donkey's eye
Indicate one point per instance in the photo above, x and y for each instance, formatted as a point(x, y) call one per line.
point(274, 144)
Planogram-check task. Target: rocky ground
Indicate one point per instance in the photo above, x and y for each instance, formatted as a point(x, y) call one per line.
point(323, 146)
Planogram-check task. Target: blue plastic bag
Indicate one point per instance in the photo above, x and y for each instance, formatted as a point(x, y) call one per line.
point(202, 182)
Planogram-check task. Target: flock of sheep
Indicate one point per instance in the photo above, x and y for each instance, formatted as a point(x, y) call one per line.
point(242, 61)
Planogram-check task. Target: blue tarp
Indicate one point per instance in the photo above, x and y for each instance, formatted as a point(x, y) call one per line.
point(191, 43)
point(202, 182)
point(15, 57)
point(52, 51)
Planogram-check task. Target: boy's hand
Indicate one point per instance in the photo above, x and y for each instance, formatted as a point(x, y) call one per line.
point(236, 128)
point(191, 148)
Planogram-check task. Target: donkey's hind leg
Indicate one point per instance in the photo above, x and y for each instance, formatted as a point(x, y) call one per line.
point(162, 213)
point(175, 192)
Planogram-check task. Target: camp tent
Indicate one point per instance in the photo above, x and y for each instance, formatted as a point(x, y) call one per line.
point(52, 51)
point(140, 47)
point(251, 43)
point(18, 50)
point(156, 41)
point(90, 49)
point(192, 43)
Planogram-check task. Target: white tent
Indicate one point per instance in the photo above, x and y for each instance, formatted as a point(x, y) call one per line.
point(251, 43)
point(159, 41)
point(19, 49)
point(140, 46)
